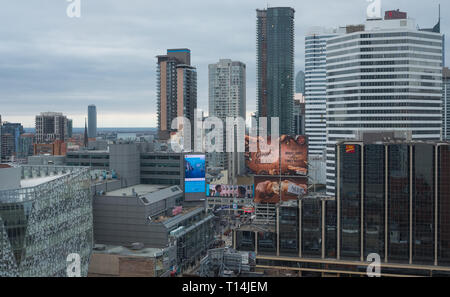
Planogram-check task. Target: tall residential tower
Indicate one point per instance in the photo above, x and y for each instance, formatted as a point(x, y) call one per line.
point(227, 98)
point(177, 89)
point(275, 66)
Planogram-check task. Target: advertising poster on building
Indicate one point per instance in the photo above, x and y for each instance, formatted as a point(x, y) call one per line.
point(194, 177)
point(267, 190)
point(230, 191)
point(261, 162)
point(293, 187)
point(294, 155)
point(291, 158)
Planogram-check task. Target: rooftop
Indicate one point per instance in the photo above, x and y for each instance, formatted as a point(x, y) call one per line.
point(125, 251)
point(36, 181)
point(140, 190)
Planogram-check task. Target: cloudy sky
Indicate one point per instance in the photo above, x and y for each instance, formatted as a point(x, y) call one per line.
point(50, 62)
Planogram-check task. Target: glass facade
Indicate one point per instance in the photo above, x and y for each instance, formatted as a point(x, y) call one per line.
point(330, 229)
point(350, 201)
point(398, 203)
point(423, 204)
point(275, 59)
point(311, 228)
point(374, 199)
point(400, 218)
point(289, 232)
point(40, 226)
point(245, 241)
point(267, 243)
point(444, 205)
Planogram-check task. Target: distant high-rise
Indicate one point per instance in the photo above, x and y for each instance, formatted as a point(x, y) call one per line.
point(1, 143)
point(275, 66)
point(446, 104)
point(177, 89)
point(92, 121)
point(299, 114)
point(383, 76)
point(300, 83)
point(51, 126)
point(227, 98)
point(69, 128)
point(316, 88)
point(13, 130)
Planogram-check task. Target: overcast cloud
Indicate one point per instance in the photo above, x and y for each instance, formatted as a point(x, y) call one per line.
point(49, 62)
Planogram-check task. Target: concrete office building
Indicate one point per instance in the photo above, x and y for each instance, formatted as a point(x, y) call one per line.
point(316, 88)
point(96, 159)
point(51, 126)
point(227, 99)
point(176, 89)
point(275, 66)
point(384, 75)
point(151, 216)
point(159, 168)
point(92, 121)
point(393, 199)
point(446, 105)
point(45, 215)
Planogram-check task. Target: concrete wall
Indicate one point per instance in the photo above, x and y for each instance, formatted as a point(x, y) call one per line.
point(102, 265)
point(46, 160)
point(9, 178)
point(123, 221)
point(125, 161)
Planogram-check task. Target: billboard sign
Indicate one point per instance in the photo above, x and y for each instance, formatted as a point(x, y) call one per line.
point(291, 158)
point(230, 191)
point(194, 177)
point(272, 190)
point(267, 190)
point(293, 187)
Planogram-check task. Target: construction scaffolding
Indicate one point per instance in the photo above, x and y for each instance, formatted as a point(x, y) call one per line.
point(225, 262)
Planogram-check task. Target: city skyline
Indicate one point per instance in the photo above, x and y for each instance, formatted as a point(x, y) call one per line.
point(72, 67)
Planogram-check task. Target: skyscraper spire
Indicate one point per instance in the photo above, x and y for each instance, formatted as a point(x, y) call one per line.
point(86, 139)
point(437, 28)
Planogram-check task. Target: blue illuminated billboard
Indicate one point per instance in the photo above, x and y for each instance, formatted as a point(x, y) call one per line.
point(194, 176)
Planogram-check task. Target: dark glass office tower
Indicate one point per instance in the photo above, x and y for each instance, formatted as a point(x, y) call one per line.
point(398, 202)
point(374, 199)
point(275, 65)
point(288, 220)
point(443, 241)
point(350, 201)
point(423, 204)
point(311, 228)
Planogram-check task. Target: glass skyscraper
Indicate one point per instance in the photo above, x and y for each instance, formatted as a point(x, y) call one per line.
point(316, 88)
point(275, 66)
point(446, 105)
point(92, 121)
